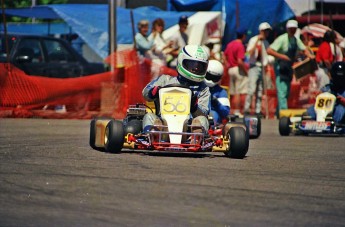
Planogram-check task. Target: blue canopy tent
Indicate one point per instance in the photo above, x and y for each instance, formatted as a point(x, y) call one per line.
point(90, 21)
point(246, 14)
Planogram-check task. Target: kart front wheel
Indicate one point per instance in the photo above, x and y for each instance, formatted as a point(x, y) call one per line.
point(114, 136)
point(284, 126)
point(238, 143)
point(93, 136)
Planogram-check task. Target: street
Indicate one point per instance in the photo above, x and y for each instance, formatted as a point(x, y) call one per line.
point(51, 177)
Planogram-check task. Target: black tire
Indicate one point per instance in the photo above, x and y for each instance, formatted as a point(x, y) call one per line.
point(239, 142)
point(114, 136)
point(134, 127)
point(258, 128)
point(93, 136)
point(284, 126)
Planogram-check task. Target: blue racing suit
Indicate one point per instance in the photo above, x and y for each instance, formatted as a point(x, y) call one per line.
point(339, 109)
point(220, 104)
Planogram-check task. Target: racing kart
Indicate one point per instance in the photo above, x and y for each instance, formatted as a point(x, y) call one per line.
point(177, 134)
point(304, 124)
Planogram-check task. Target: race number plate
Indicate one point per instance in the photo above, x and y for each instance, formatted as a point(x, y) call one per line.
point(316, 125)
point(325, 102)
point(176, 103)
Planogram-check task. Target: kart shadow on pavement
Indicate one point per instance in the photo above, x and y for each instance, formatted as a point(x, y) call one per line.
point(172, 154)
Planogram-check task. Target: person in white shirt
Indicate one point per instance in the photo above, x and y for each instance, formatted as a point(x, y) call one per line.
point(257, 61)
point(160, 47)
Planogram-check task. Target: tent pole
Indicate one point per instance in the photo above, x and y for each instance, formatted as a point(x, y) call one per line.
point(133, 31)
point(112, 32)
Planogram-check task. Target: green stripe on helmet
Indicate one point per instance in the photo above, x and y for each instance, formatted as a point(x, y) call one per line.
point(189, 74)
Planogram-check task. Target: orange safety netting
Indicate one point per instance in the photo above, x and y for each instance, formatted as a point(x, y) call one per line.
point(105, 94)
point(109, 93)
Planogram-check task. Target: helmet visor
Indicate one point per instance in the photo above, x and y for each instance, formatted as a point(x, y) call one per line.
point(212, 77)
point(196, 67)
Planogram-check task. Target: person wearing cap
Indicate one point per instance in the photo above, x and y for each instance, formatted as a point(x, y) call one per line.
point(143, 44)
point(258, 59)
point(179, 40)
point(285, 49)
point(234, 56)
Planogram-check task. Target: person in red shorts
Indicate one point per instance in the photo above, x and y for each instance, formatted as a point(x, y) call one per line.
point(234, 55)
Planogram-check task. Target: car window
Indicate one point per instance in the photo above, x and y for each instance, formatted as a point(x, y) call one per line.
point(10, 42)
point(30, 49)
point(57, 52)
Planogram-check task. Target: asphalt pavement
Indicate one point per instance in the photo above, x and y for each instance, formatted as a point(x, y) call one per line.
point(49, 176)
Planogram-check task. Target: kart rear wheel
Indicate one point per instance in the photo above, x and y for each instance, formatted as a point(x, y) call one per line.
point(284, 126)
point(238, 143)
point(134, 127)
point(114, 136)
point(92, 139)
point(258, 128)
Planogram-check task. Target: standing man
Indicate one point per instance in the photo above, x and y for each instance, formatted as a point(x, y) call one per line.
point(234, 55)
point(257, 61)
point(285, 48)
point(179, 40)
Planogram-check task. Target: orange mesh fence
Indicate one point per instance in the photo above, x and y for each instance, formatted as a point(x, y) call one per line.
point(105, 94)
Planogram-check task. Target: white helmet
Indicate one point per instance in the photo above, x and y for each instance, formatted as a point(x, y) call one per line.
point(214, 73)
point(192, 63)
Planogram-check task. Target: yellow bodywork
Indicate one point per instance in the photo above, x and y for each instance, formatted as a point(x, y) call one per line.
point(291, 112)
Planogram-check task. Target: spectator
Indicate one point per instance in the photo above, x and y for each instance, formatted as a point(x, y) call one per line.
point(308, 43)
point(337, 88)
point(143, 44)
point(220, 104)
point(179, 40)
point(284, 49)
point(160, 47)
point(234, 56)
point(258, 59)
point(325, 58)
point(337, 53)
point(191, 67)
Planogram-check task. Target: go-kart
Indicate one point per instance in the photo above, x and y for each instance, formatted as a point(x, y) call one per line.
point(304, 124)
point(177, 134)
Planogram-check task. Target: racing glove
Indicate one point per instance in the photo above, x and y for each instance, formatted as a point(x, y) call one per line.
point(154, 93)
point(193, 103)
point(341, 100)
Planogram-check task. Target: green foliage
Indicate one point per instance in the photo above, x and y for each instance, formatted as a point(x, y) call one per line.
point(27, 3)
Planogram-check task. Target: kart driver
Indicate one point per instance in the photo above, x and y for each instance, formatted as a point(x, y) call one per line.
point(220, 104)
point(337, 88)
point(191, 66)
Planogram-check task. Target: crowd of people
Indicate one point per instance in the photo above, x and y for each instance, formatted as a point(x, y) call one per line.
point(244, 63)
point(155, 47)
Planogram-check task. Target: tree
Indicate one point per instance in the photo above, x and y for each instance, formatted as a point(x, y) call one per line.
point(26, 3)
